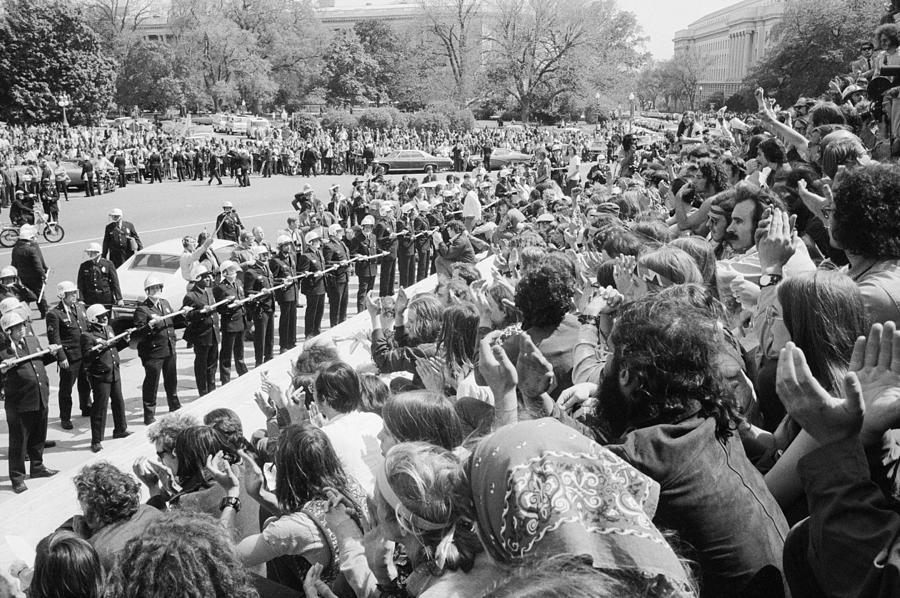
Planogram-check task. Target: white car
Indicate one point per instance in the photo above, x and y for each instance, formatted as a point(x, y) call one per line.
point(164, 260)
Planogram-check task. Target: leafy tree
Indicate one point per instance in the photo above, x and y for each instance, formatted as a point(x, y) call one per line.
point(147, 77)
point(46, 49)
point(349, 71)
point(550, 55)
point(816, 40)
point(339, 119)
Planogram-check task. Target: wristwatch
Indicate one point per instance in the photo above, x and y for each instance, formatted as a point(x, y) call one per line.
point(769, 280)
point(230, 501)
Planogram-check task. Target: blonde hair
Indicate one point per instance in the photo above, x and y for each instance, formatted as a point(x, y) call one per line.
point(430, 483)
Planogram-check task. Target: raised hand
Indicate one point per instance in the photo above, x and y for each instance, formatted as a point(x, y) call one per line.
point(776, 246)
point(572, 398)
point(826, 418)
point(313, 586)
point(222, 472)
point(876, 364)
point(495, 366)
point(534, 372)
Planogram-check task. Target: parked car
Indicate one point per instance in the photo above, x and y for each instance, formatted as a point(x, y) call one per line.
point(73, 169)
point(162, 259)
point(412, 161)
point(501, 158)
point(260, 125)
point(236, 125)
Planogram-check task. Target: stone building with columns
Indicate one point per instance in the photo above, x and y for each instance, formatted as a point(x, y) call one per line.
point(729, 42)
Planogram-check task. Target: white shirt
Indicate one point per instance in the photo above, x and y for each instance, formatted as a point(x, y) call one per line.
point(354, 437)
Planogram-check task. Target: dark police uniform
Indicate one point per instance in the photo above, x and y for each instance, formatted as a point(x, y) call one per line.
point(383, 231)
point(256, 278)
point(334, 252)
point(118, 240)
point(101, 363)
point(156, 349)
point(365, 244)
point(203, 333)
point(232, 328)
point(27, 391)
point(284, 266)
point(314, 289)
point(406, 250)
point(229, 226)
point(64, 327)
point(29, 261)
point(98, 282)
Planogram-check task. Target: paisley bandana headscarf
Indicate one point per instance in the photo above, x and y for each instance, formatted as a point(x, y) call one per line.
point(541, 488)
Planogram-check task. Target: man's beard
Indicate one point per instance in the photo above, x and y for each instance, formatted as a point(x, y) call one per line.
point(613, 407)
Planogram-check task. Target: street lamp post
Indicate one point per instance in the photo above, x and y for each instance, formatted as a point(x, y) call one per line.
point(631, 100)
point(700, 99)
point(64, 101)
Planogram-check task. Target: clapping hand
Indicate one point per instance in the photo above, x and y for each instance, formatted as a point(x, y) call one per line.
point(495, 366)
point(265, 404)
point(534, 372)
point(373, 303)
point(577, 397)
point(431, 371)
point(876, 365)
point(401, 302)
point(623, 271)
point(826, 418)
point(313, 586)
point(776, 244)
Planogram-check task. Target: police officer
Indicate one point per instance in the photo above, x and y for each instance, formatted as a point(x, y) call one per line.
point(11, 287)
point(406, 243)
point(386, 233)
point(65, 324)
point(365, 244)
point(336, 253)
point(423, 242)
point(228, 223)
point(30, 265)
point(120, 239)
point(27, 392)
point(101, 362)
point(313, 286)
point(156, 348)
point(284, 266)
point(232, 322)
point(202, 330)
point(98, 281)
point(258, 279)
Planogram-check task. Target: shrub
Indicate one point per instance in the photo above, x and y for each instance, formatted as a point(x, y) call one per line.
point(336, 119)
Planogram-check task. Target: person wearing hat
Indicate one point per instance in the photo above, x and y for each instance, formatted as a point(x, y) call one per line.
point(232, 320)
point(21, 211)
point(386, 234)
point(101, 366)
point(202, 330)
point(406, 249)
point(339, 206)
point(423, 243)
point(336, 252)
point(365, 244)
point(27, 399)
point(228, 223)
point(120, 239)
point(10, 287)
point(28, 260)
point(98, 281)
point(358, 202)
point(156, 348)
point(313, 286)
point(89, 176)
point(65, 323)
point(303, 201)
point(258, 279)
point(284, 266)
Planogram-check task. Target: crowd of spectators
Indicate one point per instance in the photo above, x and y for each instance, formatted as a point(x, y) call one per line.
point(680, 376)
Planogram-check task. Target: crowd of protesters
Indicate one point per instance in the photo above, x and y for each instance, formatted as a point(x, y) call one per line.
point(679, 377)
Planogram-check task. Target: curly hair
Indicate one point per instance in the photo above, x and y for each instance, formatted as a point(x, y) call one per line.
point(337, 385)
point(669, 349)
point(544, 296)
point(107, 493)
point(715, 173)
point(169, 426)
point(867, 211)
point(180, 555)
point(889, 30)
point(313, 356)
point(773, 150)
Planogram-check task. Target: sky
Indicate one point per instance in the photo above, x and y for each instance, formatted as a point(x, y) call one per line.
point(660, 19)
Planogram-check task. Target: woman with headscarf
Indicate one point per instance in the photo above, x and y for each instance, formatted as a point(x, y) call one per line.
point(540, 489)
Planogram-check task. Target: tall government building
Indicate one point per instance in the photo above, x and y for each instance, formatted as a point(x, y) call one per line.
point(730, 41)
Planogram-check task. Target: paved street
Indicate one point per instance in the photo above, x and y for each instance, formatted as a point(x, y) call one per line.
point(159, 212)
